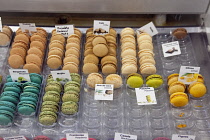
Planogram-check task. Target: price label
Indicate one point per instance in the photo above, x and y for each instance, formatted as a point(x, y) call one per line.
point(148, 28)
point(0, 25)
point(65, 30)
point(15, 138)
point(20, 75)
point(101, 27)
point(28, 28)
point(103, 92)
point(171, 49)
point(182, 137)
point(145, 96)
point(77, 136)
point(121, 136)
point(188, 74)
point(61, 76)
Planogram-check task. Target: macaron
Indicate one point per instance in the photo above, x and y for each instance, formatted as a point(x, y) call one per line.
point(6, 117)
point(71, 66)
point(90, 68)
point(38, 36)
point(69, 108)
point(31, 84)
point(75, 77)
point(19, 51)
point(8, 106)
point(148, 69)
point(176, 87)
point(73, 51)
point(59, 37)
point(32, 68)
point(147, 59)
point(26, 107)
point(179, 99)
point(33, 58)
point(72, 87)
point(71, 58)
point(36, 51)
point(91, 58)
point(54, 61)
point(94, 78)
point(53, 87)
point(50, 106)
point(39, 44)
point(73, 44)
point(99, 39)
point(197, 89)
point(29, 96)
point(128, 51)
point(10, 96)
point(22, 37)
point(134, 80)
point(56, 51)
point(51, 96)
point(70, 97)
point(179, 33)
point(56, 44)
point(145, 44)
point(127, 31)
point(126, 38)
point(100, 49)
point(71, 83)
point(143, 36)
point(114, 79)
point(16, 61)
point(154, 80)
point(172, 78)
point(109, 67)
point(47, 118)
point(13, 87)
point(128, 68)
point(36, 78)
point(32, 89)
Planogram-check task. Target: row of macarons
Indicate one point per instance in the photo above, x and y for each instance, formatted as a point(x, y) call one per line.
point(18, 98)
point(178, 90)
point(5, 35)
point(69, 100)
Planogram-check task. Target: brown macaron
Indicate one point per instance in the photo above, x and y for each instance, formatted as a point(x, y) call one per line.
point(36, 51)
point(22, 37)
point(90, 68)
point(71, 58)
point(33, 58)
point(91, 58)
point(99, 39)
point(38, 36)
point(100, 49)
point(73, 38)
point(18, 50)
point(32, 68)
point(20, 44)
point(59, 37)
point(56, 51)
point(16, 61)
point(54, 61)
point(72, 50)
point(71, 66)
point(72, 44)
point(109, 58)
point(4, 39)
point(180, 33)
point(38, 44)
point(56, 43)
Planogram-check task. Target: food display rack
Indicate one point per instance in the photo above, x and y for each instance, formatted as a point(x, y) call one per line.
point(101, 119)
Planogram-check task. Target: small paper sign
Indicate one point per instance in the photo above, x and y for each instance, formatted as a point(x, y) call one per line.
point(145, 96)
point(101, 27)
point(15, 138)
point(103, 92)
point(61, 76)
point(20, 75)
point(148, 28)
point(77, 136)
point(188, 74)
point(65, 30)
point(171, 49)
point(182, 137)
point(28, 28)
point(0, 25)
point(121, 136)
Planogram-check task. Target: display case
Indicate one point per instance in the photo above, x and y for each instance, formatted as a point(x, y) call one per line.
point(102, 119)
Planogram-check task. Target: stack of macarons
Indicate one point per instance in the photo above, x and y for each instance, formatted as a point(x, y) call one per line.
point(19, 50)
point(50, 105)
point(97, 47)
point(146, 54)
point(128, 51)
point(96, 78)
point(29, 98)
point(5, 35)
point(71, 95)
point(196, 89)
point(56, 50)
point(71, 60)
point(36, 52)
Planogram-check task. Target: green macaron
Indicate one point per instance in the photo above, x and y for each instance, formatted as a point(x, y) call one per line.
point(31, 84)
point(8, 106)
point(10, 96)
point(72, 88)
point(47, 118)
point(31, 89)
point(69, 108)
point(134, 80)
point(72, 83)
point(154, 80)
point(75, 77)
point(70, 97)
point(50, 106)
point(6, 117)
point(29, 96)
point(36, 78)
point(52, 96)
point(26, 107)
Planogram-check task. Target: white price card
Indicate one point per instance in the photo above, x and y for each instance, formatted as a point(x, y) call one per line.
point(15, 138)
point(121, 136)
point(148, 28)
point(103, 92)
point(77, 136)
point(61, 76)
point(171, 49)
point(20, 75)
point(188, 74)
point(182, 137)
point(145, 96)
point(28, 28)
point(0, 25)
point(101, 27)
point(65, 30)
